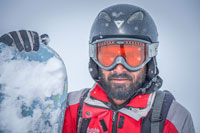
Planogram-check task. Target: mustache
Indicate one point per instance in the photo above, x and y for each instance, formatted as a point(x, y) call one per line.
point(120, 76)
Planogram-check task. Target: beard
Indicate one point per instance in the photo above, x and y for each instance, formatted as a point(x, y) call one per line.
point(121, 91)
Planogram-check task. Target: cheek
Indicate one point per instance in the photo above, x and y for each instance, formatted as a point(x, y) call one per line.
point(105, 74)
point(134, 77)
point(138, 74)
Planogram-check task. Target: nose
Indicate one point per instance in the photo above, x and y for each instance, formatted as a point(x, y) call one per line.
point(119, 69)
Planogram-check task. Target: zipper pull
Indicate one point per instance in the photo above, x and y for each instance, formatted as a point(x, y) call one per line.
point(114, 114)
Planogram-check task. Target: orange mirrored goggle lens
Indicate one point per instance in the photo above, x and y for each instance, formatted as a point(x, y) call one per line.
point(133, 52)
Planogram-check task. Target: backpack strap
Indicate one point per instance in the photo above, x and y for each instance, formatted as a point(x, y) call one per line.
point(79, 114)
point(165, 108)
point(156, 117)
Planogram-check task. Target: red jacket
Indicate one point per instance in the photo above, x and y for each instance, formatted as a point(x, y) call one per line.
point(98, 117)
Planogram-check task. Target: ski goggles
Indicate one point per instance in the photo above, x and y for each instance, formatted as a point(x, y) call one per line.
point(133, 54)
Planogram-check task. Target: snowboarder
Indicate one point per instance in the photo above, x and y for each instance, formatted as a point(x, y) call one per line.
point(125, 96)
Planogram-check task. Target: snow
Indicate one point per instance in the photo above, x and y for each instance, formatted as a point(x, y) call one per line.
point(121, 31)
point(116, 15)
point(136, 28)
point(90, 69)
point(28, 88)
point(107, 24)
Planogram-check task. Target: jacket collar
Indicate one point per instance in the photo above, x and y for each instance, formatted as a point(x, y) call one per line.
point(140, 101)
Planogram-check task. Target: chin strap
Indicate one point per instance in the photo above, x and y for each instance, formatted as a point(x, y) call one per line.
point(152, 85)
point(149, 87)
point(153, 81)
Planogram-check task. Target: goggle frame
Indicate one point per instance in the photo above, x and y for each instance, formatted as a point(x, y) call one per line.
point(151, 51)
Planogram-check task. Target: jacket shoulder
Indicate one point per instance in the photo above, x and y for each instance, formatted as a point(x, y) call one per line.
point(74, 97)
point(180, 117)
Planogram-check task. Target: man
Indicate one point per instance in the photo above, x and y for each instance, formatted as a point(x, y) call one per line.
point(125, 96)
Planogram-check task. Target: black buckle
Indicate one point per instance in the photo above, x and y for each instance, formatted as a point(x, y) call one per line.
point(156, 119)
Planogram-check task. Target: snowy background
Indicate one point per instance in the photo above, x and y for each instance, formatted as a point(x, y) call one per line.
point(68, 24)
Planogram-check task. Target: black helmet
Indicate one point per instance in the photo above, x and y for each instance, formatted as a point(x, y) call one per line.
point(124, 21)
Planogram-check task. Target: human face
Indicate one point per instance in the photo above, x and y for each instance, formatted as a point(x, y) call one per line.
point(121, 84)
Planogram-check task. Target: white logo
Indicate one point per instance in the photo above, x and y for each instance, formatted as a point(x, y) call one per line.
point(93, 130)
point(119, 23)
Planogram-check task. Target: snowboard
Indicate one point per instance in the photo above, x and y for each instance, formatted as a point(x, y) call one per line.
point(33, 90)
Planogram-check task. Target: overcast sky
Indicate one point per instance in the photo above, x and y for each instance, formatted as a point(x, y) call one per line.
point(68, 24)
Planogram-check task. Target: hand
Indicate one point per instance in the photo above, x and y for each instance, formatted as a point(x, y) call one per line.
point(24, 40)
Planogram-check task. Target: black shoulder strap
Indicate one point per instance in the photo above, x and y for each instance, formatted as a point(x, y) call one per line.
point(79, 114)
point(156, 116)
point(155, 120)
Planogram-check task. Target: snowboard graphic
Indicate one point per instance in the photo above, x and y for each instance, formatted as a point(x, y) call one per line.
point(33, 90)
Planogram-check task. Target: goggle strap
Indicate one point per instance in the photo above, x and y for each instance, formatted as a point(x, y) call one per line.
point(152, 49)
point(92, 50)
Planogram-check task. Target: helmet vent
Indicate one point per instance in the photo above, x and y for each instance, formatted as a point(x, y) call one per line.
point(136, 16)
point(104, 15)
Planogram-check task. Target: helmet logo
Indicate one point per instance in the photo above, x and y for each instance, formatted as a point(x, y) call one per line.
point(119, 23)
point(120, 42)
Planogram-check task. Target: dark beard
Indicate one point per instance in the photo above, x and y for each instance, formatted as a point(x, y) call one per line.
point(121, 91)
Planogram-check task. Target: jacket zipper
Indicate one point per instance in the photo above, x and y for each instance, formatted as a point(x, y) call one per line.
point(114, 121)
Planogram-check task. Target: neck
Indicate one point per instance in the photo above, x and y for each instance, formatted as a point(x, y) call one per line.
point(119, 102)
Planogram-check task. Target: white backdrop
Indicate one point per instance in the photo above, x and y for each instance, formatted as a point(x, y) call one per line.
point(68, 24)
